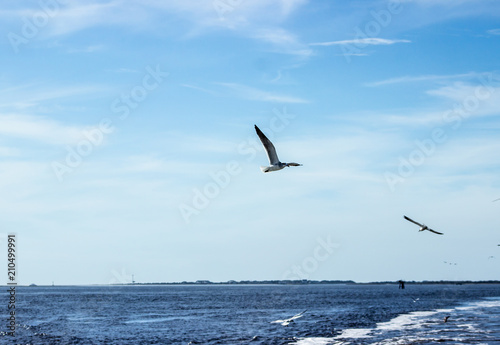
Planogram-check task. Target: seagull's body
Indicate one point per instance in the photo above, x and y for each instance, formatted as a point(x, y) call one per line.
point(422, 226)
point(286, 322)
point(271, 154)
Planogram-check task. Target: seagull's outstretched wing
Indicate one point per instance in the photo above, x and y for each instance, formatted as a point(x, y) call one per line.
point(297, 316)
point(268, 145)
point(434, 231)
point(411, 220)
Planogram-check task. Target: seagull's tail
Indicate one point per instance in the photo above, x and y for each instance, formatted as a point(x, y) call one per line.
point(264, 169)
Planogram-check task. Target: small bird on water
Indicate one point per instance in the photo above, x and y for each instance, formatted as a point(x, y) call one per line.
point(286, 322)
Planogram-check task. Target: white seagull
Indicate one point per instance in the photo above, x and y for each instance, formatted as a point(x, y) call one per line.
point(286, 322)
point(422, 226)
point(271, 154)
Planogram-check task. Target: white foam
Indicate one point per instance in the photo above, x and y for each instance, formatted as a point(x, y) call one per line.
point(412, 320)
point(316, 341)
point(482, 304)
point(355, 333)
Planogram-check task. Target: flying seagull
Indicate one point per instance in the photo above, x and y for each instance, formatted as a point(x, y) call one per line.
point(422, 226)
point(271, 154)
point(286, 322)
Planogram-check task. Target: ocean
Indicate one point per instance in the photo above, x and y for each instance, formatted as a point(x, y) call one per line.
point(243, 314)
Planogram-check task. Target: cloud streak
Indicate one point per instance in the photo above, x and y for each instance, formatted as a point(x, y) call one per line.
point(39, 129)
point(422, 78)
point(361, 42)
point(250, 93)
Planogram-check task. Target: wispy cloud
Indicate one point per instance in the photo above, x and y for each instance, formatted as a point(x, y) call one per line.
point(9, 151)
point(198, 88)
point(284, 41)
point(459, 102)
point(39, 129)
point(35, 94)
point(421, 78)
point(88, 49)
point(362, 42)
point(250, 93)
point(494, 32)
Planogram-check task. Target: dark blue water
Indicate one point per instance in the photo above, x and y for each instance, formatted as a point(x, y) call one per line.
point(237, 314)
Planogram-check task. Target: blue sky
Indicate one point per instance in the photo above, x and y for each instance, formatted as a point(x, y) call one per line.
point(127, 144)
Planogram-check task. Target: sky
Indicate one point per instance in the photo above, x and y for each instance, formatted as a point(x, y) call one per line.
point(128, 149)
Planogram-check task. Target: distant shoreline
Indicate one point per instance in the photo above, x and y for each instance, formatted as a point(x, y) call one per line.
point(318, 282)
point(288, 282)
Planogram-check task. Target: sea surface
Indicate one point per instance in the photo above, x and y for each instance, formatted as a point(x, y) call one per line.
point(242, 314)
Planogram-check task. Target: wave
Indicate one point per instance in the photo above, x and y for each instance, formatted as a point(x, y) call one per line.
point(476, 322)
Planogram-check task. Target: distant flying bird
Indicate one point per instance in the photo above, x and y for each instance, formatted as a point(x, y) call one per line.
point(422, 226)
point(446, 318)
point(496, 199)
point(271, 154)
point(415, 299)
point(286, 322)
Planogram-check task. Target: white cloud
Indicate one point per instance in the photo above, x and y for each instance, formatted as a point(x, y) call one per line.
point(284, 41)
point(460, 103)
point(39, 129)
point(411, 79)
point(254, 94)
point(31, 95)
point(246, 18)
point(494, 32)
point(9, 151)
point(362, 42)
point(87, 49)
